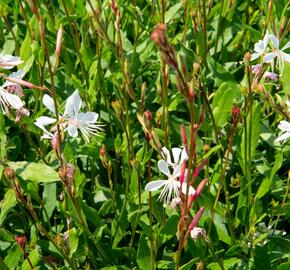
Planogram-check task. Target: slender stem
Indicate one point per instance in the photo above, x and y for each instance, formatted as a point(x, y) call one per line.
point(248, 74)
point(54, 94)
point(219, 26)
point(151, 247)
point(25, 18)
point(77, 46)
point(204, 34)
point(165, 102)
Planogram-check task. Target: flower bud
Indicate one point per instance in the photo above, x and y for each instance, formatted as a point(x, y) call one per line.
point(9, 173)
point(148, 115)
point(21, 241)
point(247, 57)
point(235, 113)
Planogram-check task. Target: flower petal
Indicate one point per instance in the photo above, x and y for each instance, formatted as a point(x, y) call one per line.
point(285, 56)
point(88, 117)
point(283, 137)
point(176, 155)
point(9, 61)
point(72, 131)
point(191, 190)
point(254, 56)
point(13, 100)
point(275, 41)
point(269, 57)
point(284, 126)
point(73, 104)
point(163, 167)
point(154, 185)
point(48, 103)
point(166, 154)
point(176, 171)
point(44, 121)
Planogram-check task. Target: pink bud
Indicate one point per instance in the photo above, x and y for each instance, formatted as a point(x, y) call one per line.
point(182, 172)
point(196, 219)
point(58, 40)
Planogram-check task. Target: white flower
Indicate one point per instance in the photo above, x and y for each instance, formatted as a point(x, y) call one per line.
point(260, 47)
point(179, 155)
point(85, 122)
point(284, 126)
point(197, 232)
point(279, 53)
point(72, 119)
point(9, 61)
point(9, 100)
point(171, 185)
point(43, 121)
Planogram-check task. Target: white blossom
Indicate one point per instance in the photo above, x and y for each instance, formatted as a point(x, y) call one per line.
point(279, 53)
point(72, 120)
point(8, 61)
point(260, 47)
point(171, 185)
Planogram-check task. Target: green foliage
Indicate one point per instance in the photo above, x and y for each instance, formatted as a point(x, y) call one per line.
point(84, 205)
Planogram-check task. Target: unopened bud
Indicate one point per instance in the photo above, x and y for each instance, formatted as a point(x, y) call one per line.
point(21, 241)
point(191, 92)
point(9, 173)
point(143, 92)
point(183, 136)
point(175, 202)
point(113, 7)
point(236, 113)
point(196, 67)
point(206, 148)
point(58, 46)
point(196, 219)
point(103, 151)
point(199, 188)
point(148, 115)
point(117, 106)
point(247, 57)
point(159, 36)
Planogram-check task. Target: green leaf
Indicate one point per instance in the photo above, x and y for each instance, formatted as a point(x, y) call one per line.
point(73, 240)
point(221, 229)
point(267, 182)
point(7, 204)
point(170, 13)
point(49, 197)
point(143, 253)
point(255, 134)
point(26, 54)
point(223, 103)
point(285, 79)
point(284, 266)
point(34, 258)
point(188, 265)
point(37, 172)
point(261, 258)
point(13, 256)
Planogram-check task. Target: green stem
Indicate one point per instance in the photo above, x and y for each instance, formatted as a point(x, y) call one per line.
point(219, 26)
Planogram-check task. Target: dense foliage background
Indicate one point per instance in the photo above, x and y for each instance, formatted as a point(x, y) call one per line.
point(99, 216)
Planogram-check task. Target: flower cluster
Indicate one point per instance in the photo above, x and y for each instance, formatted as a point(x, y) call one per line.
point(269, 49)
point(71, 121)
point(10, 92)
